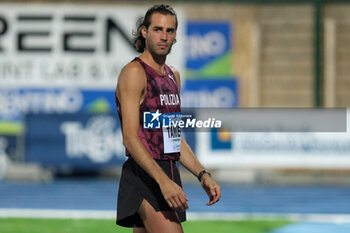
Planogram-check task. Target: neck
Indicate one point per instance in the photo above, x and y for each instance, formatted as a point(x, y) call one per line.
point(155, 61)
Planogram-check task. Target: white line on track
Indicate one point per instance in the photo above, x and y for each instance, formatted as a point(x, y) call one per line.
point(100, 214)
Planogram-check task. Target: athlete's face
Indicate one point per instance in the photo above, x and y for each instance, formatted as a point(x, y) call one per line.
point(161, 34)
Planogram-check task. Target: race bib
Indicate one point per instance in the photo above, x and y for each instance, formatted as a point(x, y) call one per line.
point(171, 132)
point(171, 139)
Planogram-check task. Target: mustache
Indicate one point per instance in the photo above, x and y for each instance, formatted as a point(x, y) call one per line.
point(167, 44)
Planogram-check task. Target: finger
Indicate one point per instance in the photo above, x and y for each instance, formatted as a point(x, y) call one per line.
point(210, 200)
point(218, 191)
point(185, 197)
point(170, 204)
point(215, 198)
point(179, 202)
point(213, 192)
point(178, 205)
point(211, 197)
point(184, 202)
point(186, 206)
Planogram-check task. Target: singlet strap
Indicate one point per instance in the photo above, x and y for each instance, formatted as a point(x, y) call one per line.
point(140, 61)
point(168, 71)
point(148, 67)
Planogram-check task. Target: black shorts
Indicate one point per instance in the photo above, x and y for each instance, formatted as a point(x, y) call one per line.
point(136, 185)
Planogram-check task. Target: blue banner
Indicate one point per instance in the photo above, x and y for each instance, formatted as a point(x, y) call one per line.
point(208, 49)
point(15, 103)
point(76, 141)
point(219, 93)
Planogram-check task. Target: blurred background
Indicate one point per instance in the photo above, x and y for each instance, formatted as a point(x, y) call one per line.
point(60, 137)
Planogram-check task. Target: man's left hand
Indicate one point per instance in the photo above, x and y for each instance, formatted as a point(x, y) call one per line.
point(212, 189)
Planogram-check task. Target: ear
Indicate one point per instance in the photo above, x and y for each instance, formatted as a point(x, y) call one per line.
point(143, 31)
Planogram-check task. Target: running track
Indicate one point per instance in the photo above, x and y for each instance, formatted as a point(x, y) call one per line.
point(100, 194)
point(318, 209)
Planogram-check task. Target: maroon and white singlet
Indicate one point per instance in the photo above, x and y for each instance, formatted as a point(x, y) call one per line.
point(162, 95)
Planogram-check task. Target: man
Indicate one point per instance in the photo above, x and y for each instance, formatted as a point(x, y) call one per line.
point(150, 197)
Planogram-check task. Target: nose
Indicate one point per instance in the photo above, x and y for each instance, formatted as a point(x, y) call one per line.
point(164, 36)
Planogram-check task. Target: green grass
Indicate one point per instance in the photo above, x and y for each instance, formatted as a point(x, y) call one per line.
point(27, 225)
point(232, 226)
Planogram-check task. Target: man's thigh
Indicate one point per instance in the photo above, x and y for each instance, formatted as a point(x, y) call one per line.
point(159, 221)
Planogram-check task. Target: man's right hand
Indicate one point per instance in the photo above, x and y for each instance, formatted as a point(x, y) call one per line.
point(174, 195)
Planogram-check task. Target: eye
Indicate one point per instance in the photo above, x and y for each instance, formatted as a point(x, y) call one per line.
point(171, 30)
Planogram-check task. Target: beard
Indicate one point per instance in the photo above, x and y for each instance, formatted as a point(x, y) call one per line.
point(154, 48)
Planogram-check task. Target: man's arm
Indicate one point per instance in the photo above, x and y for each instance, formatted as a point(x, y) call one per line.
point(191, 163)
point(130, 93)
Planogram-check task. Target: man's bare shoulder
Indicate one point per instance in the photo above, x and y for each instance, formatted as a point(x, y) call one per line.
point(132, 69)
point(132, 77)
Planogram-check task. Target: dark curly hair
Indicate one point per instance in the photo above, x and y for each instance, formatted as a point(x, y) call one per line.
point(139, 40)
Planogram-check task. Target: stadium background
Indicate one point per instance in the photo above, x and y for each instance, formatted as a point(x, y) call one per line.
point(59, 63)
